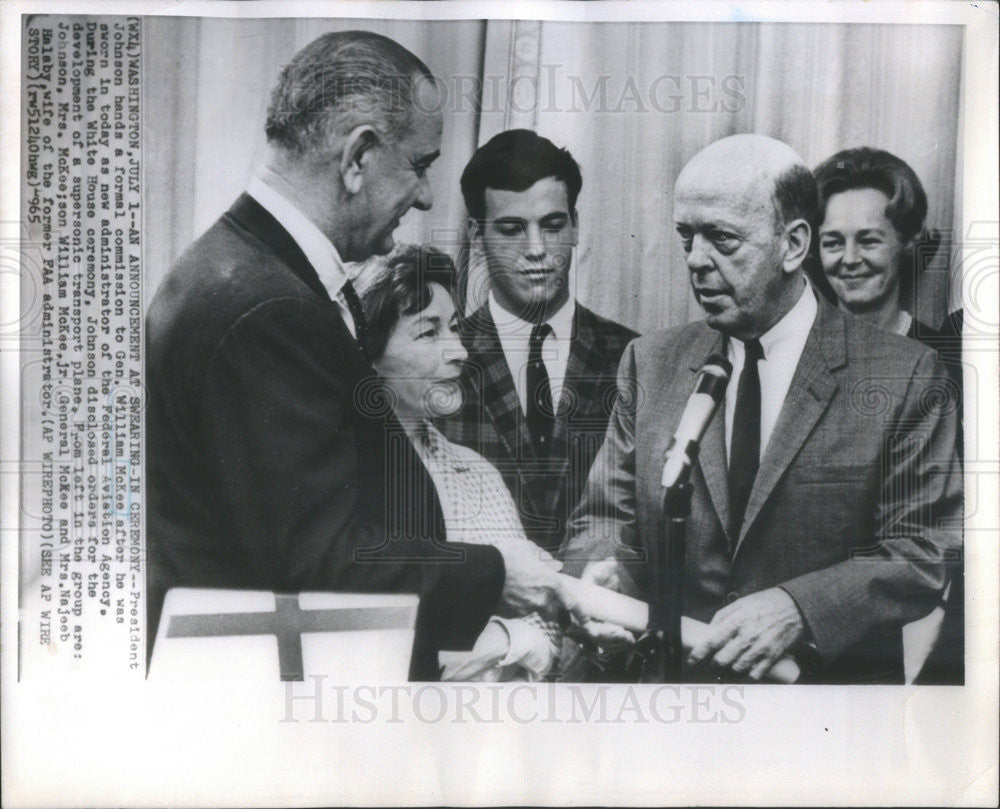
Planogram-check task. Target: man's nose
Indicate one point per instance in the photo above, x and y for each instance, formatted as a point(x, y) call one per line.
point(535, 241)
point(697, 257)
point(425, 197)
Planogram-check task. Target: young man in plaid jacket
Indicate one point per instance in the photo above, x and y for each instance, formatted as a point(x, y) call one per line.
point(539, 384)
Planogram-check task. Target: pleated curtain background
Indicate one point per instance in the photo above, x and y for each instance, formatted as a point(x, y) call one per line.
point(633, 102)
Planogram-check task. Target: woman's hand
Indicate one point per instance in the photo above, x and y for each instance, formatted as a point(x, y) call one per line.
point(531, 583)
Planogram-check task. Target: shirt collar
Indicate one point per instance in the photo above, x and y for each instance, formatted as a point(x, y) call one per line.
point(319, 251)
point(510, 326)
point(792, 329)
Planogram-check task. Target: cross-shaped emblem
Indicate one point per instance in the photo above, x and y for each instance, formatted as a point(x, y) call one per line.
point(287, 623)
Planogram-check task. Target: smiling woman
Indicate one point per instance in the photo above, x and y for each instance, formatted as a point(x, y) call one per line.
point(413, 333)
point(872, 249)
point(414, 345)
point(869, 223)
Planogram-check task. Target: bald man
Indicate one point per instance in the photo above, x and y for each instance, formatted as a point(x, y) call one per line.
point(826, 496)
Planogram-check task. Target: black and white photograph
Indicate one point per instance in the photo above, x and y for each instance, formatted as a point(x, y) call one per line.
point(500, 403)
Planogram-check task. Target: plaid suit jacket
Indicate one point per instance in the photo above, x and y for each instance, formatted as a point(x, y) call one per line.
point(491, 421)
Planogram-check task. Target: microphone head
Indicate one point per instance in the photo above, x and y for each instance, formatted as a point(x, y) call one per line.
point(717, 365)
point(713, 377)
point(709, 388)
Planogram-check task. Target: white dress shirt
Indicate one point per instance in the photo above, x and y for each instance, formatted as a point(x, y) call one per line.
point(515, 334)
point(782, 347)
point(318, 249)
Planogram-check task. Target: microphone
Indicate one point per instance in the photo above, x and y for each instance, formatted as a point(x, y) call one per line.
point(709, 388)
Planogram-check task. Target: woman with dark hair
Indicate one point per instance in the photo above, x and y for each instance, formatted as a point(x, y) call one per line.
point(412, 337)
point(871, 242)
point(871, 245)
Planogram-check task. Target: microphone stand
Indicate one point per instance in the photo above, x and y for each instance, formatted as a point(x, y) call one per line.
point(667, 604)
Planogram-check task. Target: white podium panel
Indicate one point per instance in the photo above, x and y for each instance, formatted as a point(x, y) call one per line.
point(212, 635)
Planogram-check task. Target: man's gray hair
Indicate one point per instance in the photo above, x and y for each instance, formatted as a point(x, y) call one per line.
point(340, 81)
point(795, 195)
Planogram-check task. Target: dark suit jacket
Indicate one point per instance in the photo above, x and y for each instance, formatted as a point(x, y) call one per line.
point(274, 463)
point(947, 341)
point(945, 665)
point(856, 504)
point(491, 421)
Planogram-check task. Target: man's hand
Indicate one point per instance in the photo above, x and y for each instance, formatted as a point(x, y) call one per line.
point(606, 573)
point(607, 636)
point(750, 634)
point(531, 582)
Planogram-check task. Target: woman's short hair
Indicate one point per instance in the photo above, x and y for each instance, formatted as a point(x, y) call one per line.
point(866, 167)
point(403, 289)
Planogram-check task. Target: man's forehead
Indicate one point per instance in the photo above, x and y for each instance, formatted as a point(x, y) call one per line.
point(722, 177)
point(738, 173)
point(723, 200)
point(746, 153)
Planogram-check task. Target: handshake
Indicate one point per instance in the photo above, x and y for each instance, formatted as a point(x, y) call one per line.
point(749, 636)
point(533, 584)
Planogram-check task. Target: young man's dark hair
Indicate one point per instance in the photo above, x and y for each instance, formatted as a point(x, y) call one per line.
point(514, 161)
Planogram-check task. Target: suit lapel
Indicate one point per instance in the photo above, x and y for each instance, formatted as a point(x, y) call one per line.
point(809, 395)
point(499, 396)
point(256, 219)
point(250, 215)
point(580, 399)
point(713, 466)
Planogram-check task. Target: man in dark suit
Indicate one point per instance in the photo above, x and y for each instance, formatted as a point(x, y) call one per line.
point(268, 467)
point(826, 495)
point(540, 379)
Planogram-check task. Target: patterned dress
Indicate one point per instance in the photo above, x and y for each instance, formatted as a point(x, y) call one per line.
point(478, 510)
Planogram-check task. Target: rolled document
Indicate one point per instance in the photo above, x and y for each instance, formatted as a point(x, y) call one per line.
point(606, 605)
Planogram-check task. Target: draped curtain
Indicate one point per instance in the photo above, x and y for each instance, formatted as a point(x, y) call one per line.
point(632, 101)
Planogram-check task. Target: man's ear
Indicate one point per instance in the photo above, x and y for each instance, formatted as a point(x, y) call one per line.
point(476, 229)
point(798, 233)
point(357, 155)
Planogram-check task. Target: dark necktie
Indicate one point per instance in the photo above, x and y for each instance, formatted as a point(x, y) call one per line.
point(744, 445)
point(540, 414)
point(357, 315)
